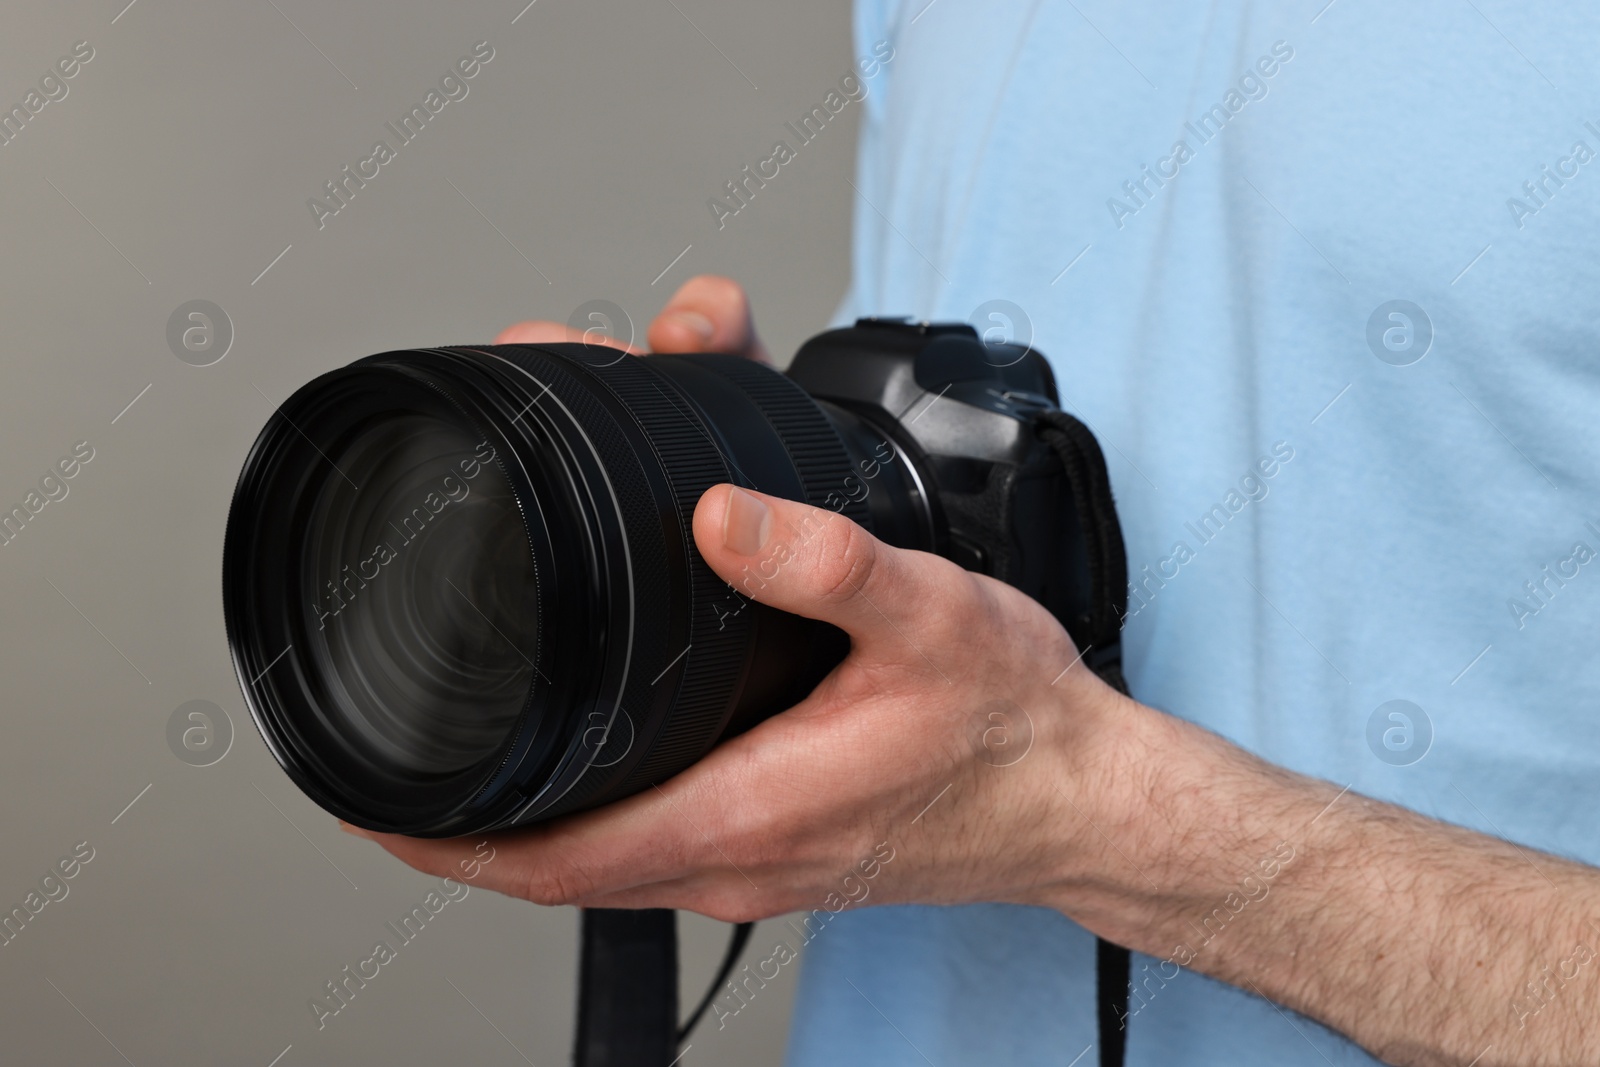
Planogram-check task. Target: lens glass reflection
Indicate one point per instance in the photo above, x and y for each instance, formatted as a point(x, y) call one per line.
point(419, 595)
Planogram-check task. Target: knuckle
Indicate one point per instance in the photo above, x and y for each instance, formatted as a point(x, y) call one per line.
point(722, 289)
point(551, 887)
point(846, 558)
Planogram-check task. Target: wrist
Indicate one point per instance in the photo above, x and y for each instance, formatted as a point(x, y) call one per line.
point(1168, 823)
point(1107, 763)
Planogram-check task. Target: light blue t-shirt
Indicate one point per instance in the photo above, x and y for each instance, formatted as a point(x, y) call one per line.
point(1355, 244)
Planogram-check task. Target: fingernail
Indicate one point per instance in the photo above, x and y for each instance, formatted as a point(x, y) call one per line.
point(695, 323)
point(746, 523)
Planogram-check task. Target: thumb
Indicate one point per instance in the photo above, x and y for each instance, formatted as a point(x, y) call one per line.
point(708, 314)
point(817, 563)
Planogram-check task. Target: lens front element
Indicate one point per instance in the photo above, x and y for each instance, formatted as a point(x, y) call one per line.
point(417, 573)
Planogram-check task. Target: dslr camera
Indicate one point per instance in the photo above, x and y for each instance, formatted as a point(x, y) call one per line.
point(461, 590)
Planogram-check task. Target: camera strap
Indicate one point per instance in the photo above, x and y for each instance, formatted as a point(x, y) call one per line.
point(628, 987)
point(628, 964)
point(1098, 633)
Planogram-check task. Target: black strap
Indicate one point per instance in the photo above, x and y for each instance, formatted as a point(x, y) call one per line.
point(627, 989)
point(736, 943)
point(1112, 967)
point(1100, 630)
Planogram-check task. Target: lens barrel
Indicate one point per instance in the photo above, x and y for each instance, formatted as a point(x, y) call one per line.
point(462, 592)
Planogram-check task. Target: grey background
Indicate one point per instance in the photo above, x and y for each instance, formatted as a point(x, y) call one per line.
point(182, 158)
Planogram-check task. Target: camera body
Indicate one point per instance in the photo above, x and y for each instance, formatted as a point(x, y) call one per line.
point(965, 413)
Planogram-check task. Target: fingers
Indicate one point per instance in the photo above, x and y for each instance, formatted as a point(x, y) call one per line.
point(708, 314)
point(816, 563)
point(544, 332)
point(635, 842)
point(465, 859)
point(527, 864)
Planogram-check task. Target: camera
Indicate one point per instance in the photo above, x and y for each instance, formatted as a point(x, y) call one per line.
point(461, 590)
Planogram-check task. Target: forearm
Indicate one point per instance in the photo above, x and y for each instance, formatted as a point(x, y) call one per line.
point(1423, 942)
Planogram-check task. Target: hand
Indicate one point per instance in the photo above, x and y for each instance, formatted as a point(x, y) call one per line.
point(892, 779)
point(707, 314)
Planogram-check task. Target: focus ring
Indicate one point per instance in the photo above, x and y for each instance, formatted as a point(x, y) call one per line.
point(814, 445)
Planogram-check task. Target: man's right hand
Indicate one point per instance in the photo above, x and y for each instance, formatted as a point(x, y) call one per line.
point(707, 314)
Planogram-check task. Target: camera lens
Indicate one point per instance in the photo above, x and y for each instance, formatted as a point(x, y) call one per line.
point(461, 588)
point(422, 574)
